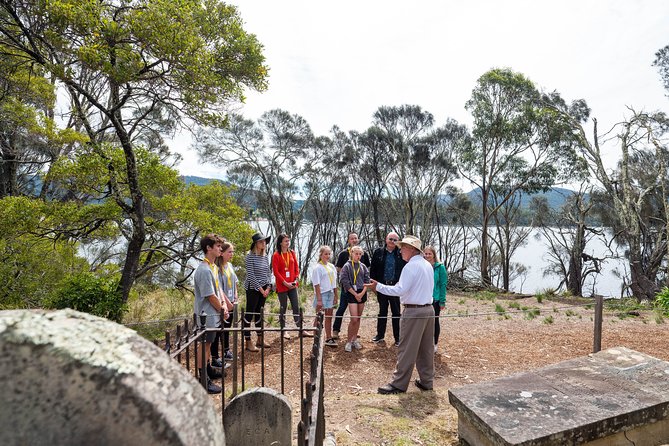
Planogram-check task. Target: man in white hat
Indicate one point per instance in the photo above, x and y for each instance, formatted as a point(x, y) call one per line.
point(416, 348)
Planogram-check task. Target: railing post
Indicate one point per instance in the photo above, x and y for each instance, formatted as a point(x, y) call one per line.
point(282, 325)
point(301, 353)
point(242, 350)
point(262, 346)
point(599, 310)
point(168, 344)
point(178, 336)
point(235, 324)
point(203, 368)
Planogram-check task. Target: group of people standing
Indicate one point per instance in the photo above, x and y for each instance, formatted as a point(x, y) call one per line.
point(390, 273)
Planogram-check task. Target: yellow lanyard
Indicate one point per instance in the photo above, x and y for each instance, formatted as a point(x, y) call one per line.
point(286, 260)
point(355, 273)
point(328, 270)
point(228, 275)
point(214, 270)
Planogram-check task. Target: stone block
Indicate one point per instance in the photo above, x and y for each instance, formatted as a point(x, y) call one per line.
point(259, 416)
point(76, 379)
point(607, 398)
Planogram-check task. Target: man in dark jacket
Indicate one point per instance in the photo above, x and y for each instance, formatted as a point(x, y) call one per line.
point(386, 268)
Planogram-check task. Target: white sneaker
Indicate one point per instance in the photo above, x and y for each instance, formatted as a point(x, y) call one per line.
point(347, 347)
point(435, 349)
point(357, 344)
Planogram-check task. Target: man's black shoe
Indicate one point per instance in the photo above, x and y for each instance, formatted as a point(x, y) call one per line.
point(213, 388)
point(389, 390)
point(397, 343)
point(214, 372)
point(421, 386)
point(376, 339)
point(216, 362)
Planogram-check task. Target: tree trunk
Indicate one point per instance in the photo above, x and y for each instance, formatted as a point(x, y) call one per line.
point(8, 173)
point(642, 286)
point(574, 274)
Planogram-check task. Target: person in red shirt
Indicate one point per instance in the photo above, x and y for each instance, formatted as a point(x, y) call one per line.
point(286, 272)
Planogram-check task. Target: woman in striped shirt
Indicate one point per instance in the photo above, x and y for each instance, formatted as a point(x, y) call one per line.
point(258, 285)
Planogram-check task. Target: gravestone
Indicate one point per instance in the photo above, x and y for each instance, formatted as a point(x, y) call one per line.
point(615, 397)
point(259, 416)
point(76, 379)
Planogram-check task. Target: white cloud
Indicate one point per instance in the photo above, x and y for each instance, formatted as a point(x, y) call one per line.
point(337, 62)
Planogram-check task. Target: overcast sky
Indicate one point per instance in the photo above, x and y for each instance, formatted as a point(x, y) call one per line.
point(336, 62)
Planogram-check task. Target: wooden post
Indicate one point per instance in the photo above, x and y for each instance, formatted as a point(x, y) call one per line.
point(599, 308)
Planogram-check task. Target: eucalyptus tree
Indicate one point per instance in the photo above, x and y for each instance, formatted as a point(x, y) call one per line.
point(635, 205)
point(567, 232)
point(508, 235)
point(421, 163)
point(29, 135)
point(455, 217)
point(332, 181)
point(517, 136)
point(273, 155)
point(121, 60)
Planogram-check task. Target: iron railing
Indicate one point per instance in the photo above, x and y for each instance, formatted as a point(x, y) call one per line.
point(187, 341)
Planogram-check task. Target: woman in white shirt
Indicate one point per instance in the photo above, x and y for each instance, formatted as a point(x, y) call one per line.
point(324, 279)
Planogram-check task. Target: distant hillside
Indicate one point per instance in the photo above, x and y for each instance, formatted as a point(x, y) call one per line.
point(200, 181)
point(556, 197)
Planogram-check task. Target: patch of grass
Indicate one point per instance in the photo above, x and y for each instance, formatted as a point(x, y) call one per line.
point(532, 313)
point(147, 308)
point(555, 310)
point(548, 320)
point(659, 318)
point(546, 293)
point(499, 309)
point(662, 301)
point(570, 313)
point(514, 305)
point(485, 295)
point(464, 312)
point(462, 301)
point(625, 305)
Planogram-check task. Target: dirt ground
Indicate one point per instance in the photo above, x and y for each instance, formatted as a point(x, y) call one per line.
point(483, 338)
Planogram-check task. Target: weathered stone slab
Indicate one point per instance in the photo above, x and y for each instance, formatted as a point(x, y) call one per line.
point(608, 398)
point(259, 416)
point(76, 379)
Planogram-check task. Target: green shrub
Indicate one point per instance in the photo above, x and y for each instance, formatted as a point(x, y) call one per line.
point(548, 320)
point(499, 309)
point(514, 305)
point(90, 294)
point(662, 301)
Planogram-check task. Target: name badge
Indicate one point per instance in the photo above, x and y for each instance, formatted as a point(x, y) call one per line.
point(287, 274)
point(231, 295)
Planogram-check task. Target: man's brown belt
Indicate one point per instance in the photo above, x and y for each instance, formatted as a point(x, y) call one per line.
point(415, 306)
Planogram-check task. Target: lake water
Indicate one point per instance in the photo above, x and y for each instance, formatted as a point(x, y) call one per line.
point(534, 256)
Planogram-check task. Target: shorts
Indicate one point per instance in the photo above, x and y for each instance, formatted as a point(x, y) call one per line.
point(352, 300)
point(210, 336)
point(328, 300)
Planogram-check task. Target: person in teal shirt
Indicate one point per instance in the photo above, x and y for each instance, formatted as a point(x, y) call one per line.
point(439, 291)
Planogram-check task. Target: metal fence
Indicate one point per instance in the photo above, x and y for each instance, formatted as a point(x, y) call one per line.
point(186, 341)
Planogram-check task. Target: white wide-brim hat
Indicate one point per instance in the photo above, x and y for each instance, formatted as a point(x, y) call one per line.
point(410, 240)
